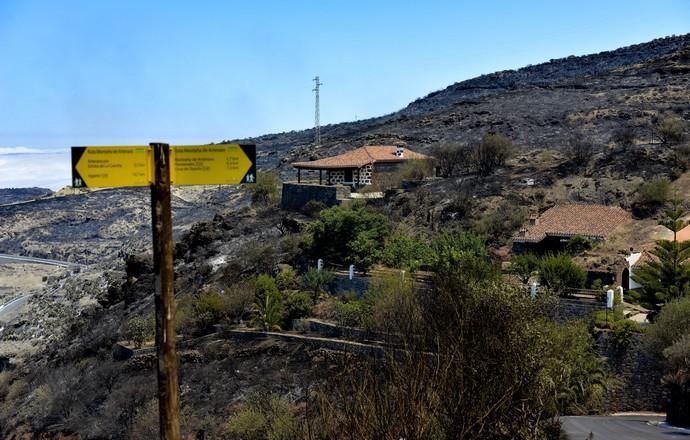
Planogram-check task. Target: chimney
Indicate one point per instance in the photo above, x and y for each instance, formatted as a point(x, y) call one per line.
point(534, 219)
point(523, 232)
point(399, 152)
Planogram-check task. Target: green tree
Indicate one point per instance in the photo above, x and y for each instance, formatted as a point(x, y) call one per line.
point(462, 257)
point(559, 272)
point(492, 153)
point(524, 266)
point(140, 329)
point(668, 275)
point(268, 310)
point(349, 235)
point(405, 252)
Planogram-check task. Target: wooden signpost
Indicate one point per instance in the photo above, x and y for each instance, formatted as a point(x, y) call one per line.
point(160, 166)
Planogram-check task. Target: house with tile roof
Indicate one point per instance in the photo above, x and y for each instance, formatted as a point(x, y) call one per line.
point(359, 167)
point(551, 230)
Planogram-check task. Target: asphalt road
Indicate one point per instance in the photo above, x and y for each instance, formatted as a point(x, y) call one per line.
point(8, 311)
point(18, 259)
point(620, 428)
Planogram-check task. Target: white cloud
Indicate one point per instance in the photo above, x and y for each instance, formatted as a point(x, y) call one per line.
point(24, 167)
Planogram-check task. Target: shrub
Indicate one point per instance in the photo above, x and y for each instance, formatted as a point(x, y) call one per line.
point(268, 310)
point(603, 318)
point(578, 374)
point(351, 314)
point(681, 155)
point(578, 245)
point(622, 332)
point(498, 226)
point(297, 305)
point(265, 190)
point(672, 322)
point(524, 266)
point(624, 137)
point(140, 329)
point(492, 153)
point(405, 252)
point(670, 129)
point(286, 279)
point(655, 192)
point(416, 169)
point(479, 361)
point(387, 302)
point(316, 281)
point(559, 272)
point(262, 258)
point(580, 149)
point(210, 308)
point(450, 158)
point(313, 208)
point(265, 417)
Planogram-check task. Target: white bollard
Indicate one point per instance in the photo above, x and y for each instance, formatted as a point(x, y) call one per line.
point(352, 271)
point(533, 290)
point(319, 264)
point(609, 299)
point(620, 292)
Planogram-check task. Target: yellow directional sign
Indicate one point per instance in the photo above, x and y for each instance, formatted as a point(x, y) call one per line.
point(222, 164)
point(95, 167)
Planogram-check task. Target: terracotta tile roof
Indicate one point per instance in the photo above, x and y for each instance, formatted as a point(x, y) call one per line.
point(360, 157)
point(592, 221)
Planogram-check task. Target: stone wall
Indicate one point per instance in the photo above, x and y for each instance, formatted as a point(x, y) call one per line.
point(296, 195)
point(638, 372)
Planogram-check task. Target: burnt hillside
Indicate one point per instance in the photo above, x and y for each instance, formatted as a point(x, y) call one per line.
point(537, 106)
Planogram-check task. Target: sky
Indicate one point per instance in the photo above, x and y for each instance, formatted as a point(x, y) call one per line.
point(121, 72)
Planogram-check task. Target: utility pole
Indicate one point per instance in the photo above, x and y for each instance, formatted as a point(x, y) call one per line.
point(317, 124)
point(161, 219)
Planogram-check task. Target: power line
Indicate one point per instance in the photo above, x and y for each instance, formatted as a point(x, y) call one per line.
point(317, 124)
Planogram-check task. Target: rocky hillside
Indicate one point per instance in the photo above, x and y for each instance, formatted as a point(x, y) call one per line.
point(537, 106)
point(65, 378)
point(14, 195)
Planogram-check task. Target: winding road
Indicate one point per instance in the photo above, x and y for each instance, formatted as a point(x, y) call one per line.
point(633, 427)
point(7, 310)
point(34, 260)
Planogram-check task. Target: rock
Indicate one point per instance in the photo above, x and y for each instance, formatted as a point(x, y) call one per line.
point(121, 352)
